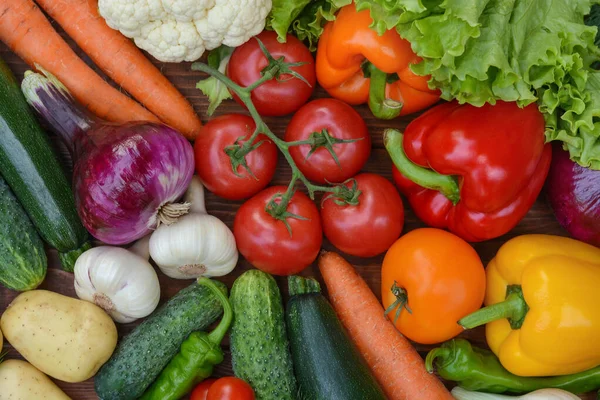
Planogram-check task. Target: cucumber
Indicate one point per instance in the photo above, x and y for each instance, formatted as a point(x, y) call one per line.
point(327, 364)
point(141, 356)
point(23, 262)
point(33, 172)
point(260, 353)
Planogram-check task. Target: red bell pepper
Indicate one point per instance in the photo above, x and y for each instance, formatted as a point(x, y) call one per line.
point(474, 171)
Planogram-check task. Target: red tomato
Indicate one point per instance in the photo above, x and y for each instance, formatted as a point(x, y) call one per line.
point(213, 165)
point(201, 390)
point(230, 388)
point(265, 241)
point(342, 122)
point(275, 97)
point(372, 226)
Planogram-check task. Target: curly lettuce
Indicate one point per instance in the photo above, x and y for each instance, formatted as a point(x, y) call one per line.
point(482, 51)
point(304, 19)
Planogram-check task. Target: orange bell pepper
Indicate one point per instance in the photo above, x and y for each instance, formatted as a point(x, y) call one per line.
point(357, 66)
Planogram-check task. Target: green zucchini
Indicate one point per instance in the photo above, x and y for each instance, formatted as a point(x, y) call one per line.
point(327, 364)
point(260, 353)
point(23, 262)
point(33, 172)
point(141, 356)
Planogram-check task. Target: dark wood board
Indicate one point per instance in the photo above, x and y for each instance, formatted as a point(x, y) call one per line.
point(540, 218)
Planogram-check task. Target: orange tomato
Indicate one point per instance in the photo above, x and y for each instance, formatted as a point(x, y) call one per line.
point(437, 278)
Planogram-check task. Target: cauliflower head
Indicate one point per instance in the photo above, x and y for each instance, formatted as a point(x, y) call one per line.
point(181, 30)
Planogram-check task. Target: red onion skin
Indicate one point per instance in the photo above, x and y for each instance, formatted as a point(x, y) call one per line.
point(574, 194)
point(122, 174)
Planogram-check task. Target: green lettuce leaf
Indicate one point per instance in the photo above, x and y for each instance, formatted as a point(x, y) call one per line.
point(482, 51)
point(282, 14)
point(213, 88)
point(305, 19)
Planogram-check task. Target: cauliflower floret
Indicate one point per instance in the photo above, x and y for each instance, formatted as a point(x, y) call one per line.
point(232, 23)
point(181, 30)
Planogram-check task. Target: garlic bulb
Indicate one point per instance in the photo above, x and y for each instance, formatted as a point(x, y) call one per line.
point(198, 244)
point(121, 281)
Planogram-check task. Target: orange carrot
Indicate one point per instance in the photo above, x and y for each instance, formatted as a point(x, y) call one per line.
point(394, 361)
point(25, 29)
point(120, 59)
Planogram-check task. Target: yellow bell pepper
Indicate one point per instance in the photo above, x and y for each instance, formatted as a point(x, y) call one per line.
point(542, 306)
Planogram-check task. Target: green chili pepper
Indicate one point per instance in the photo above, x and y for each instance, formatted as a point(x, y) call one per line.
point(199, 353)
point(480, 370)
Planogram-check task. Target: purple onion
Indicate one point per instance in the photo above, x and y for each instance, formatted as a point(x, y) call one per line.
point(574, 194)
point(128, 177)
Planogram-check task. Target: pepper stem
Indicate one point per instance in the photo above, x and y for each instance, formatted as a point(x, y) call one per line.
point(217, 335)
point(427, 178)
point(514, 308)
point(381, 107)
point(439, 352)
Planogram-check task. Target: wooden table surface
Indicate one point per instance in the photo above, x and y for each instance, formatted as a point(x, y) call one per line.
point(540, 218)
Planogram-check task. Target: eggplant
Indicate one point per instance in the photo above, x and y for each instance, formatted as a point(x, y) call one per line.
point(574, 195)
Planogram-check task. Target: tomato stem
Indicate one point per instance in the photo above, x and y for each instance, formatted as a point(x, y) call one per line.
point(344, 195)
point(322, 139)
point(278, 204)
point(400, 303)
point(237, 155)
point(276, 68)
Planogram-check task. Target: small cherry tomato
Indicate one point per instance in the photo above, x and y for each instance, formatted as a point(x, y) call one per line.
point(372, 226)
point(329, 122)
point(214, 166)
point(200, 392)
point(280, 96)
point(270, 244)
point(430, 279)
point(230, 388)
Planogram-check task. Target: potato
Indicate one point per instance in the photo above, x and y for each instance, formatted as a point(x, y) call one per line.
point(63, 337)
point(22, 381)
point(1, 341)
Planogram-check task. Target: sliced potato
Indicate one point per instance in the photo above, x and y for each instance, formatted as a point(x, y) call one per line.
point(66, 338)
point(20, 380)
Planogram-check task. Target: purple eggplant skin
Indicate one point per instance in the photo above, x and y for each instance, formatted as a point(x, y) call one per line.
point(574, 194)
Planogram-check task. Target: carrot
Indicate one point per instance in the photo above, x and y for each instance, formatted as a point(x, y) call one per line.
point(25, 29)
point(120, 59)
point(394, 361)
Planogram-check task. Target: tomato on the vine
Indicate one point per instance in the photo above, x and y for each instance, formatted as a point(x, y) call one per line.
point(332, 127)
point(370, 227)
point(278, 246)
point(284, 94)
point(214, 164)
point(200, 392)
